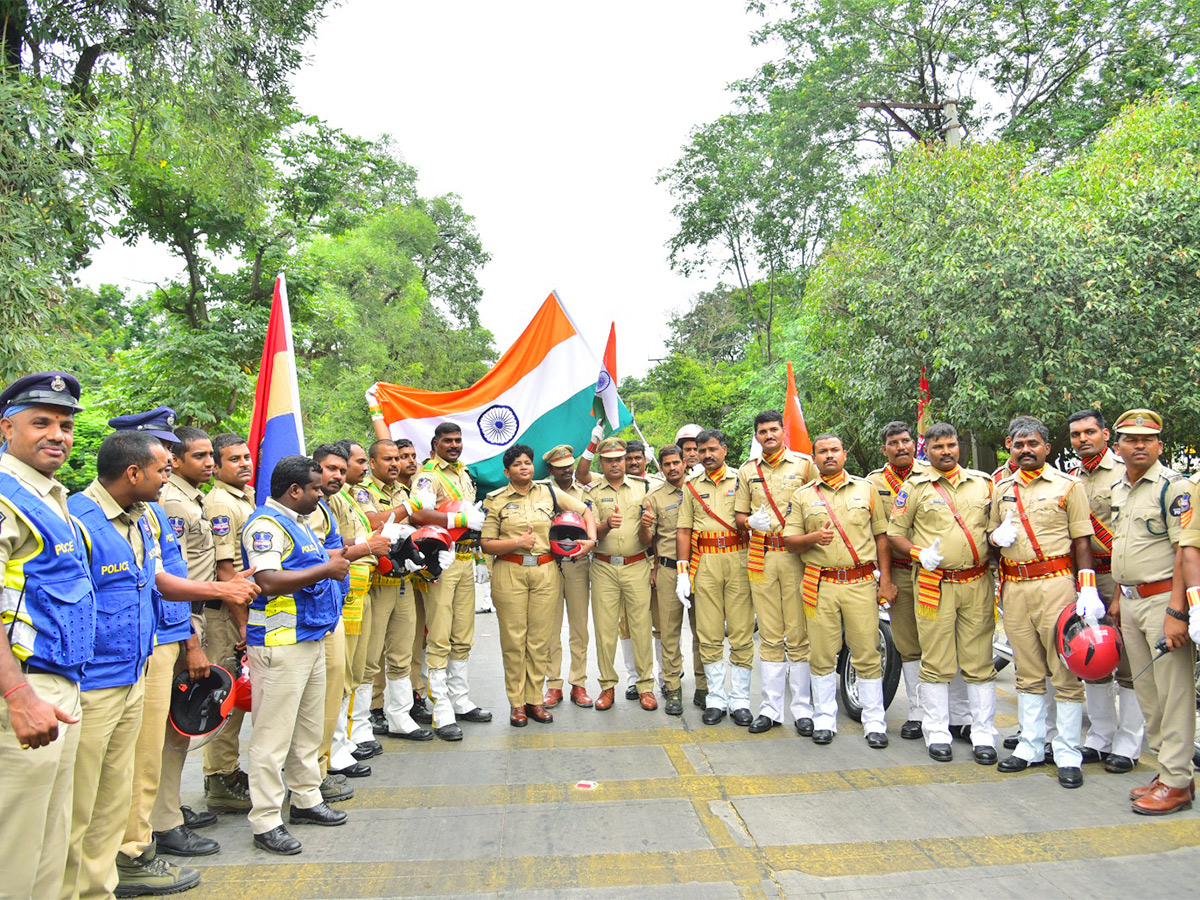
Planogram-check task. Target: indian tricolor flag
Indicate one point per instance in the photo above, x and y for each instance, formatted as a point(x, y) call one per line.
point(275, 427)
point(540, 393)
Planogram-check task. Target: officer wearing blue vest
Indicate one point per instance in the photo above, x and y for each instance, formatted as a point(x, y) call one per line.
point(300, 604)
point(131, 469)
point(48, 619)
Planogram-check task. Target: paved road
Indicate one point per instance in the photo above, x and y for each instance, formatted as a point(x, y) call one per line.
point(682, 810)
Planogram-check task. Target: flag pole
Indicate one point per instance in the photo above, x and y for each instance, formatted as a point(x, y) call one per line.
point(651, 456)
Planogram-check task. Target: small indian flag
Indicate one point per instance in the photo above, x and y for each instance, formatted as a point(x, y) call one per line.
point(607, 405)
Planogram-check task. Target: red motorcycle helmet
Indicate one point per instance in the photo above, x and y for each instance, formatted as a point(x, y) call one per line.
point(241, 688)
point(457, 506)
point(1091, 651)
point(566, 531)
point(199, 709)
point(427, 542)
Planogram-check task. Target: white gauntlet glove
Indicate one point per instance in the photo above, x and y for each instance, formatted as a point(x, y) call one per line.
point(683, 584)
point(1089, 605)
point(481, 573)
point(475, 517)
point(1005, 534)
point(422, 498)
point(445, 559)
point(930, 558)
point(395, 531)
point(760, 520)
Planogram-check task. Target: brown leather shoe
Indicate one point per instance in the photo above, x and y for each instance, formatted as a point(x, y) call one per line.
point(579, 696)
point(1163, 800)
point(1139, 792)
point(538, 713)
point(553, 697)
point(517, 717)
point(605, 700)
point(648, 701)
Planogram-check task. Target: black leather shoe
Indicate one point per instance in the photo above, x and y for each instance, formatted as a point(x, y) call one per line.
point(321, 814)
point(417, 734)
point(877, 740)
point(824, 736)
point(700, 699)
point(962, 732)
point(712, 716)
point(474, 715)
point(367, 749)
point(631, 692)
point(378, 722)
point(1010, 742)
point(941, 752)
point(985, 756)
point(358, 770)
point(1092, 755)
point(1016, 764)
point(194, 820)
point(1119, 764)
point(674, 705)
point(910, 730)
point(1049, 750)
point(449, 732)
point(421, 716)
point(762, 723)
point(741, 717)
point(182, 841)
point(277, 840)
point(1070, 777)
point(804, 727)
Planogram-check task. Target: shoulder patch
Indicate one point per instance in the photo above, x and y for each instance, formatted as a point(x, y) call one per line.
point(262, 541)
point(362, 495)
point(1180, 504)
point(497, 492)
point(176, 524)
point(901, 500)
point(220, 525)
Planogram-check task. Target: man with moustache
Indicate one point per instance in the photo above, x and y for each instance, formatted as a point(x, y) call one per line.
point(1115, 736)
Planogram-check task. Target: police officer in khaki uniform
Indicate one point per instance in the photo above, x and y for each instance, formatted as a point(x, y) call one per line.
point(450, 603)
point(838, 526)
point(576, 582)
point(1150, 506)
point(526, 584)
point(1117, 730)
point(899, 448)
point(228, 506)
point(620, 573)
point(1040, 520)
point(762, 503)
point(711, 560)
point(939, 521)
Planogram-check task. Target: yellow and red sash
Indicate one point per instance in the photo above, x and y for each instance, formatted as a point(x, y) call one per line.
point(756, 559)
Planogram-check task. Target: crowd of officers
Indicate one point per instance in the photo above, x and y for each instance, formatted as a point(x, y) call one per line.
point(111, 593)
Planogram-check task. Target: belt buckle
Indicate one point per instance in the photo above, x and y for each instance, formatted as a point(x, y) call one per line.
point(841, 577)
point(720, 539)
point(1023, 571)
point(616, 560)
point(527, 560)
point(1129, 591)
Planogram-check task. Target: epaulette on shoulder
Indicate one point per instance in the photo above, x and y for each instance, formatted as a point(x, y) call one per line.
point(500, 490)
point(1171, 474)
point(878, 471)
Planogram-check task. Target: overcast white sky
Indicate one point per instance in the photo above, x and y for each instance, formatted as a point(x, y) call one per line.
point(550, 120)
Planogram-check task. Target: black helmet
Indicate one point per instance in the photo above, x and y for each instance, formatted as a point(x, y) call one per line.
point(200, 709)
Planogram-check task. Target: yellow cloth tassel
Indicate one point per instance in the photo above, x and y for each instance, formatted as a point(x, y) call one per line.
point(757, 564)
point(929, 593)
point(811, 586)
point(352, 606)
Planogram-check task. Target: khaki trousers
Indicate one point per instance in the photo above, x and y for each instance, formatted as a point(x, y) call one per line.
point(148, 752)
point(221, 636)
point(576, 582)
point(450, 615)
point(960, 637)
point(166, 813)
point(417, 672)
point(112, 719)
point(723, 607)
point(356, 652)
point(782, 630)
point(36, 787)
point(1124, 674)
point(697, 659)
point(525, 598)
point(903, 614)
point(335, 686)
point(1166, 691)
point(288, 716)
point(852, 610)
point(617, 589)
point(390, 633)
point(668, 614)
point(1031, 610)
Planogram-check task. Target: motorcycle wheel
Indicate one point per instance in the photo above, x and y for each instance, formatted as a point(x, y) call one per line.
point(848, 677)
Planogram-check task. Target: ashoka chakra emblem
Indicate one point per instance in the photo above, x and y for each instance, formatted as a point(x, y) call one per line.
point(498, 424)
point(603, 381)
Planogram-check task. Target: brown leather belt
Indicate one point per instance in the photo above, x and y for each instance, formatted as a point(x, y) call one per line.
point(620, 560)
point(523, 559)
point(773, 542)
point(666, 561)
point(899, 563)
point(962, 576)
point(1041, 568)
point(1149, 589)
point(1102, 564)
point(851, 575)
point(710, 541)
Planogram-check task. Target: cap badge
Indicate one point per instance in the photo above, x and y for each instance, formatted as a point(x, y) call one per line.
point(170, 418)
point(57, 384)
point(1140, 420)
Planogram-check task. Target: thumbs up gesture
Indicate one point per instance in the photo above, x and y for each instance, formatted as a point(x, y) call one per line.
point(760, 519)
point(930, 558)
point(526, 541)
point(615, 519)
point(647, 517)
point(1005, 534)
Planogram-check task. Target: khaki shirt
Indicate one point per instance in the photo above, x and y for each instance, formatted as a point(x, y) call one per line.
point(228, 509)
point(510, 514)
point(665, 500)
point(184, 506)
point(385, 496)
point(439, 474)
point(857, 509)
point(362, 496)
point(781, 480)
point(1057, 506)
point(350, 523)
point(879, 479)
point(124, 521)
point(1099, 486)
point(321, 524)
point(1189, 535)
point(922, 515)
point(719, 496)
point(271, 559)
point(1144, 538)
point(630, 498)
point(17, 539)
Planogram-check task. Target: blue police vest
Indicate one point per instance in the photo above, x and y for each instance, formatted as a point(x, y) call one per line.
point(307, 615)
point(48, 605)
point(174, 618)
point(125, 609)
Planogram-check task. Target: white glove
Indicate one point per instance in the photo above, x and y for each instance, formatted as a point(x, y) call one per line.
point(1089, 605)
point(370, 397)
point(1194, 624)
point(683, 587)
point(481, 573)
point(597, 433)
point(930, 558)
point(475, 517)
point(1005, 534)
point(394, 531)
point(422, 498)
point(412, 566)
point(760, 520)
point(445, 559)
point(695, 470)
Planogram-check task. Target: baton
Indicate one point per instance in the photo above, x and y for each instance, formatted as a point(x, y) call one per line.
point(1161, 647)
